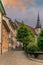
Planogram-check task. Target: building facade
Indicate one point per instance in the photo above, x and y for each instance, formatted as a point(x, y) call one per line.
point(6, 27)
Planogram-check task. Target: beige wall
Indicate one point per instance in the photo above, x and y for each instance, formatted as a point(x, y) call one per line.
point(5, 37)
point(38, 30)
point(0, 25)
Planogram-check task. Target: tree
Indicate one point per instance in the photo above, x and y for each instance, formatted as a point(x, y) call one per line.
point(40, 40)
point(25, 35)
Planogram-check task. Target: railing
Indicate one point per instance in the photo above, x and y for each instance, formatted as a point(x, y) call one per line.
point(36, 54)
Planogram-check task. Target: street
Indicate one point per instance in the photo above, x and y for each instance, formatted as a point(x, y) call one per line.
point(17, 58)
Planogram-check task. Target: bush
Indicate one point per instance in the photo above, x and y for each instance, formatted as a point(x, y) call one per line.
point(40, 41)
point(32, 48)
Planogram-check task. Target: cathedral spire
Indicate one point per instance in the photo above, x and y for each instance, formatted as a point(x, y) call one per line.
point(38, 25)
point(38, 17)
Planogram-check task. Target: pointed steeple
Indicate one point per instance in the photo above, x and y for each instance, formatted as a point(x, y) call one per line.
point(38, 25)
point(38, 17)
point(2, 8)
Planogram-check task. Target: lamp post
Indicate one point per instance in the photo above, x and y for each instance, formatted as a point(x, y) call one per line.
point(1, 31)
point(1, 38)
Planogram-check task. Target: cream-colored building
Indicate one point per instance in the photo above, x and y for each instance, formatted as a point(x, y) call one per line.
point(7, 30)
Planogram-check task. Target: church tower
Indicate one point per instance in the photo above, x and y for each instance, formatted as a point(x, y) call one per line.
point(38, 25)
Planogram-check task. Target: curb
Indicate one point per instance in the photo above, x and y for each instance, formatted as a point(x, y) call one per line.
point(36, 60)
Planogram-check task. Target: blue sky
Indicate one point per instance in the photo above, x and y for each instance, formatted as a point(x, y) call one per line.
point(39, 2)
point(26, 10)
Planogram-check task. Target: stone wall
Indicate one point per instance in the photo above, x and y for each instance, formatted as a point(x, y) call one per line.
point(5, 37)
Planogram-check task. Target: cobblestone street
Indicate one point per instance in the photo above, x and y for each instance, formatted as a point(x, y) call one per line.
point(17, 58)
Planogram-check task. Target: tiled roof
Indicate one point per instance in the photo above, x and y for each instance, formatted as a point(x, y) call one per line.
point(6, 26)
point(15, 24)
point(32, 29)
point(12, 24)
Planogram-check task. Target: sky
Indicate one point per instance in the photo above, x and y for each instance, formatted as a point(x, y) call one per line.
point(26, 10)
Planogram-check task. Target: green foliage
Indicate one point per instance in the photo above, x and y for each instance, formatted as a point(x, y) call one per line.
point(22, 32)
point(40, 40)
point(25, 35)
point(32, 48)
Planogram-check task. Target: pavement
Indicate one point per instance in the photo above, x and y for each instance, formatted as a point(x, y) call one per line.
point(17, 58)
